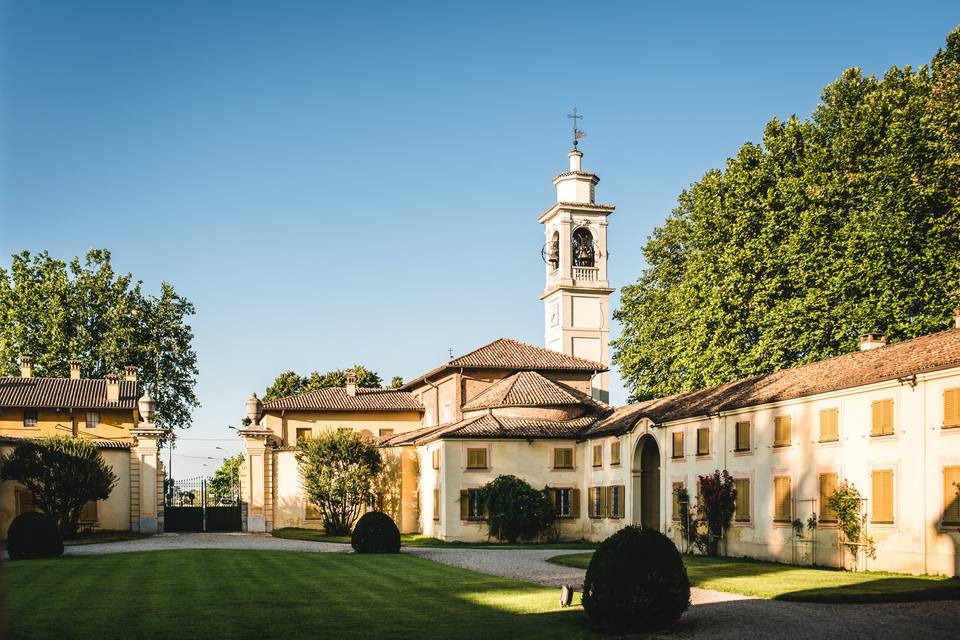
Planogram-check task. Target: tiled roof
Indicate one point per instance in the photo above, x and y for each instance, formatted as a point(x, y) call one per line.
point(505, 353)
point(528, 389)
point(100, 444)
point(491, 427)
point(932, 352)
point(337, 399)
point(65, 393)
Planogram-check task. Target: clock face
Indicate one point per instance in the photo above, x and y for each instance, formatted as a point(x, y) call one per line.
point(553, 314)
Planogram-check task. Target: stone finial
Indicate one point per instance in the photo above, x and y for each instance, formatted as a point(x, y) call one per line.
point(147, 407)
point(254, 409)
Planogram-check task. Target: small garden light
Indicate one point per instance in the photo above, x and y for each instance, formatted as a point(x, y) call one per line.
point(566, 596)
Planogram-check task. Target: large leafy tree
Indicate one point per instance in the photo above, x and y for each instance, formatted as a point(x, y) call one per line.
point(56, 311)
point(338, 469)
point(840, 224)
point(291, 383)
point(63, 474)
point(226, 481)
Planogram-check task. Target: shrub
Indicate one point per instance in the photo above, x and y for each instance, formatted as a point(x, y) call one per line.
point(375, 532)
point(636, 581)
point(718, 501)
point(34, 535)
point(516, 510)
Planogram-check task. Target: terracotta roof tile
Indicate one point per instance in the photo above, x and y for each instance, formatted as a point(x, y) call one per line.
point(66, 393)
point(100, 444)
point(932, 352)
point(528, 389)
point(336, 399)
point(492, 427)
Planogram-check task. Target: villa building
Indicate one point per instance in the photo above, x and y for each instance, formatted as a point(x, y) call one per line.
point(886, 419)
point(104, 411)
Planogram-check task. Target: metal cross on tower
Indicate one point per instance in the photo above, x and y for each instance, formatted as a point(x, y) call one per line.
point(577, 133)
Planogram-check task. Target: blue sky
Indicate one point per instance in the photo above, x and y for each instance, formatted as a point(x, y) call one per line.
point(360, 182)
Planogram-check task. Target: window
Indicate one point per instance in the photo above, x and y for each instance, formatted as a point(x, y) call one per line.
point(677, 486)
point(303, 434)
point(782, 499)
point(436, 458)
point(615, 452)
point(471, 507)
point(597, 507)
point(951, 408)
point(477, 458)
point(566, 502)
point(703, 441)
point(951, 496)
point(342, 429)
point(93, 419)
point(24, 501)
point(598, 455)
point(29, 417)
point(582, 248)
point(829, 431)
point(881, 508)
point(828, 486)
point(743, 436)
point(88, 513)
point(385, 433)
point(615, 501)
point(436, 504)
point(882, 422)
point(563, 458)
point(742, 512)
point(677, 444)
point(782, 431)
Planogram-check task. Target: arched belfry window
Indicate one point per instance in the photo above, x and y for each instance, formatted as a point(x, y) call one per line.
point(583, 248)
point(553, 251)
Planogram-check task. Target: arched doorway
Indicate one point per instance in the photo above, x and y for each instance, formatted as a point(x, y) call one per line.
point(646, 483)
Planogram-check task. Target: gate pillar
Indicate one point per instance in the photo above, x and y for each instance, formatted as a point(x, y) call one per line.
point(147, 495)
point(253, 485)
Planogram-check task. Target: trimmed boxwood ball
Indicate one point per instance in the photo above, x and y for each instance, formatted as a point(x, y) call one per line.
point(636, 581)
point(34, 535)
point(375, 532)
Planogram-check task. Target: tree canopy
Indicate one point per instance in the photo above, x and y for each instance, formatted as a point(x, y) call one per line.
point(840, 224)
point(53, 312)
point(290, 383)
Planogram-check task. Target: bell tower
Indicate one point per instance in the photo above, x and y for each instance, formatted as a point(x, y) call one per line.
point(576, 298)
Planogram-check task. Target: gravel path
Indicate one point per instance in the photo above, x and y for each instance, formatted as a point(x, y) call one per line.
point(204, 541)
point(715, 615)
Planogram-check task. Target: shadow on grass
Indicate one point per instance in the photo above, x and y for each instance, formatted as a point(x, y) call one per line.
point(889, 589)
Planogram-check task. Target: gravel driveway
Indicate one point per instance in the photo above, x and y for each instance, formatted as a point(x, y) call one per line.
point(715, 615)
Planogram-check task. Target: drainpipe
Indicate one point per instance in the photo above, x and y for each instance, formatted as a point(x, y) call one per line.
point(924, 476)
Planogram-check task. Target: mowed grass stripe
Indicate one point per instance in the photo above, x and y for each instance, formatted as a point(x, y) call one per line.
point(256, 594)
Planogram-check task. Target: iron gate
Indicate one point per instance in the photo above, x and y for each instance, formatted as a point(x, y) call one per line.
point(194, 505)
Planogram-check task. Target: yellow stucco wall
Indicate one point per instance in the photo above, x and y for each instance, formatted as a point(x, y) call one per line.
point(115, 424)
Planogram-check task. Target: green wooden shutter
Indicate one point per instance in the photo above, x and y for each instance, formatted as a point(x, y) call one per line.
point(464, 504)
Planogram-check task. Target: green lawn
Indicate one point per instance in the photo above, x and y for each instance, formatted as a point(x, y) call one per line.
point(801, 584)
point(221, 593)
point(414, 540)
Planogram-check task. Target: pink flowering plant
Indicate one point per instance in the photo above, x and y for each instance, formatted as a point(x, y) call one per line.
point(715, 507)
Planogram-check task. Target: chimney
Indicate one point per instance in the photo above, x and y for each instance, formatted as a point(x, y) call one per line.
point(74, 369)
point(351, 383)
point(130, 373)
point(113, 387)
point(26, 367)
point(956, 318)
point(871, 341)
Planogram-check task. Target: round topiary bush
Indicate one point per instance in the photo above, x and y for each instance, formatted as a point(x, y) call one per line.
point(34, 535)
point(375, 532)
point(636, 581)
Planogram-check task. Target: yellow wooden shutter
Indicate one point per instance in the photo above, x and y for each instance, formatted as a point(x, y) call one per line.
point(783, 501)
point(436, 458)
point(703, 441)
point(828, 425)
point(951, 407)
point(464, 504)
point(882, 418)
point(951, 499)
point(742, 512)
point(615, 452)
point(881, 510)
point(598, 455)
point(676, 501)
point(605, 502)
point(88, 513)
point(24, 501)
point(575, 503)
point(782, 431)
point(743, 436)
point(828, 486)
point(678, 444)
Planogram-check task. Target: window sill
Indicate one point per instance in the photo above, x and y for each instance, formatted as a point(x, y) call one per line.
point(782, 447)
point(950, 427)
point(677, 457)
point(598, 466)
point(614, 464)
point(782, 524)
point(477, 469)
point(563, 469)
point(743, 452)
point(742, 523)
point(564, 518)
point(704, 456)
point(879, 437)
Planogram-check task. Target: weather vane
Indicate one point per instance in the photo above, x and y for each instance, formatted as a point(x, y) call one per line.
point(577, 133)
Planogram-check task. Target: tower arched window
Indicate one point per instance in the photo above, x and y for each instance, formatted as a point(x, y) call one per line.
point(553, 251)
point(583, 254)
